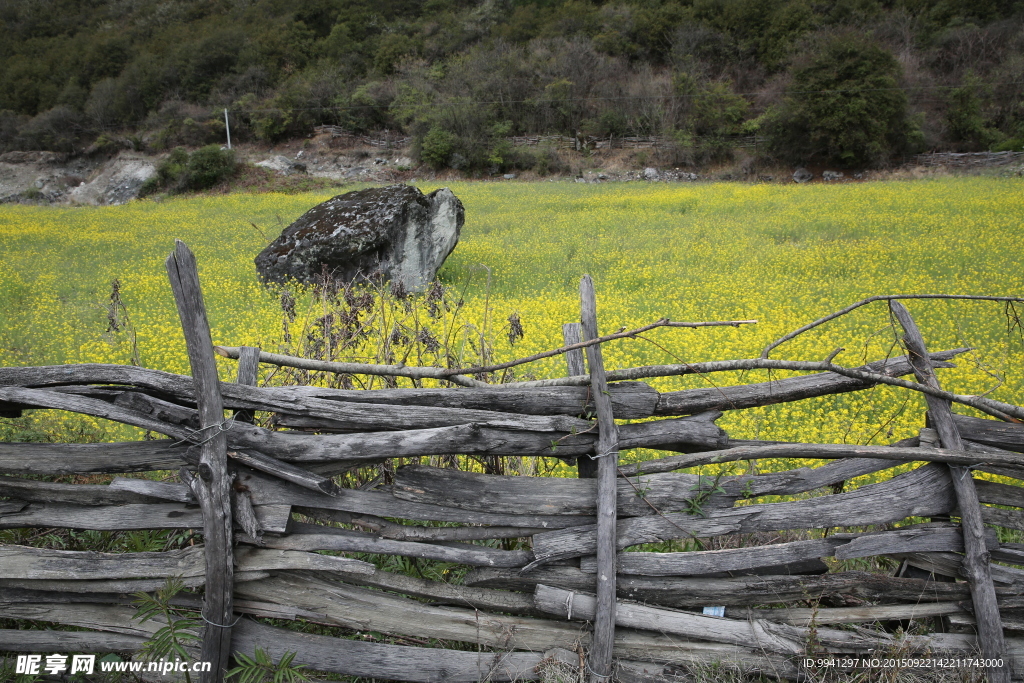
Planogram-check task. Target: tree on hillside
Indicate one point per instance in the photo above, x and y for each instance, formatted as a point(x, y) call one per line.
point(844, 106)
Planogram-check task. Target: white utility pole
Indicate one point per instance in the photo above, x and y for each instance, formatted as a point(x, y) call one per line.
point(227, 126)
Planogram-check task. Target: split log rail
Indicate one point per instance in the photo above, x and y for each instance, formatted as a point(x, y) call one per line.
point(545, 556)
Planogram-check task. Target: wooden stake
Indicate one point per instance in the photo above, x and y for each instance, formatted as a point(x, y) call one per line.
point(572, 333)
point(213, 486)
point(976, 555)
point(248, 368)
point(608, 459)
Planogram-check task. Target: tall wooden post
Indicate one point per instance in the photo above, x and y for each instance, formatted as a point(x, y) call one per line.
point(572, 333)
point(248, 369)
point(607, 456)
point(213, 486)
point(976, 556)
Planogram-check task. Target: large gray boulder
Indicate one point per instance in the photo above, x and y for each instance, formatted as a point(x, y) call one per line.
point(396, 232)
point(802, 175)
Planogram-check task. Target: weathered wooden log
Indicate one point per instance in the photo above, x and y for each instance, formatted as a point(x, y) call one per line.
point(572, 334)
point(349, 449)
point(31, 640)
point(445, 593)
point(951, 564)
point(1009, 519)
point(976, 558)
point(115, 618)
point(1003, 469)
point(926, 491)
point(126, 517)
point(119, 587)
point(546, 495)
point(8, 507)
point(21, 562)
point(785, 390)
point(430, 534)
point(348, 415)
point(86, 494)
point(1010, 553)
point(688, 434)
point(644, 494)
point(382, 661)
point(811, 616)
point(607, 452)
point(772, 637)
point(788, 482)
point(285, 471)
point(995, 493)
point(248, 371)
point(266, 490)
point(161, 490)
point(1005, 435)
point(773, 564)
point(92, 458)
point(632, 400)
point(332, 538)
point(743, 590)
point(919, 538)
point(244, 514)
point(89, 374)
point(826, 452)
point(364, 609)
point(379, 501)
point(714, 561)
point(42, 398)
point(1014, 621)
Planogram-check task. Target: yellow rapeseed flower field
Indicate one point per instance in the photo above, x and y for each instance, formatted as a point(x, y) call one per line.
point(784, 255)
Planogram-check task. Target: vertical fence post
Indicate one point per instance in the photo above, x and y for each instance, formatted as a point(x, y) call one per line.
point(213, 486)
point(572, 333)
point(608, 460)
point(976, 556)
point(248, 367)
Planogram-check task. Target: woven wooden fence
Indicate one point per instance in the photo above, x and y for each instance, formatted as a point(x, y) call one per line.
point(968, 159)
point(549, 586)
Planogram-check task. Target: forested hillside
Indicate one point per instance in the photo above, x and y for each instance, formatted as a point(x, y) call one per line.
point(857, 83)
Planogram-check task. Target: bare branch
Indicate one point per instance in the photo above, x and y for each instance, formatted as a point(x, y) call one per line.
point(882, 297)
point(356, 368)
point(459, 375)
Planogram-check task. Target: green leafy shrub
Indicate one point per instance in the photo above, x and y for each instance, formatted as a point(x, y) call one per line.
point(965, 118)
point(208, 166)
point(263, 668)
point(844, 106)
point(10, 122)
point(437, 147)
point(61, 129)
point(182, 171)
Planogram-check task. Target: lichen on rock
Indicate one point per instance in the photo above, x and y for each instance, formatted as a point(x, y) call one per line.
point(394, 232)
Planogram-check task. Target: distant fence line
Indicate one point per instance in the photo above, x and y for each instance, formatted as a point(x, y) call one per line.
point(968, 159)
point(390, 140)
